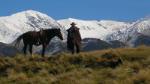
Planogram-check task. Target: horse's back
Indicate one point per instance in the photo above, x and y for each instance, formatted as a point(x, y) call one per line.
point(30, 36)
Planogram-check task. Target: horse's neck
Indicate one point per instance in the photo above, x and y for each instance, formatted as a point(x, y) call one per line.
point(50, 35)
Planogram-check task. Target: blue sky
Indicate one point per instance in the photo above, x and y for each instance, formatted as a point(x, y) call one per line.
point(122, 10)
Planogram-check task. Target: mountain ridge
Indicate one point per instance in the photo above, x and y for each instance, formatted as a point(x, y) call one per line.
point(31, 20)
point(107, 31)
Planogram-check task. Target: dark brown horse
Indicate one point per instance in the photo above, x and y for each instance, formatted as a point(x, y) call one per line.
point(42, 37)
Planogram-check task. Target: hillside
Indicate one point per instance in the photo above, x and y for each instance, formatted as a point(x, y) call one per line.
point(113, 66)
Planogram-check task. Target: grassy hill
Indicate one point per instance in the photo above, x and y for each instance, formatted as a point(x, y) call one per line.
point(113, 66)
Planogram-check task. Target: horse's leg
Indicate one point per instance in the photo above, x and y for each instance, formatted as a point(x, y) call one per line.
point(43, 51)
point(24, 49)
point(30, 49)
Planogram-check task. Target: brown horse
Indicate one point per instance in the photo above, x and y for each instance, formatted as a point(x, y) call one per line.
point(42, 37)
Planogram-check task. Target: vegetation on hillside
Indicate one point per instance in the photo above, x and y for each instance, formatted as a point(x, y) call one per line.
point(113, 66)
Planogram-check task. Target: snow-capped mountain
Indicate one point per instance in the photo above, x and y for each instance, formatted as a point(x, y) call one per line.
point(130, 34)
point(109, 31)
point(93, 28)
point(13, 26)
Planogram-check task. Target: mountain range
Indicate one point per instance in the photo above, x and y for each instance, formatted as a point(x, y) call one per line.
point(110, 33)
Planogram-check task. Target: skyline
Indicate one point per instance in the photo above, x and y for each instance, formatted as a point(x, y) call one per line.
point(120, 10)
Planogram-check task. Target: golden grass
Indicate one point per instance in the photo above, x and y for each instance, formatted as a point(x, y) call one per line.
point(98, 67)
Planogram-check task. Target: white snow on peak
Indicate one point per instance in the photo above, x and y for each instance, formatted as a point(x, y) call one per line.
point(88, 29)
point(114, 24)
point(14, 25)
point(94, 28)
point(130, 33)
point(110, 30)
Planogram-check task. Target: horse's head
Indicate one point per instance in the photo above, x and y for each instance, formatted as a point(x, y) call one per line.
point(59, 34)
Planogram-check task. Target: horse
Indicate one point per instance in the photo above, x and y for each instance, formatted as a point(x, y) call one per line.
point(42, 37)
point(73, 40)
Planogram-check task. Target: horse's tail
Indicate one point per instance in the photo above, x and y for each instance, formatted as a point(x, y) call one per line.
point(17, 41)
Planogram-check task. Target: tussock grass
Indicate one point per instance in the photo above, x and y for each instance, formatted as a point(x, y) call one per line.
point(112, 66)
